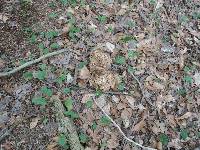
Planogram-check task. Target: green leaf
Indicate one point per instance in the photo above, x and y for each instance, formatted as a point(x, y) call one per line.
point(46, 91)
point(39, 101)
point(28, 75)
point(62, 140)
point(33, 38)
point(132, 54)
point(121, 86)
point(43, 66)
point(61, 78)
point(94, 126)
point(71, 114)
point(127, 39)
point(53, 15)
point(64, 2)
point(152, 2)
point(51, 34)
point(110, 29)
point(68, 104)
point(187, 69)
point(98, 93)
point(121, 60)
point(105, 120)
point(102, 19)
point(83, 138)
point(41, 46)
point(182, 92)
point(164, 139)
point(41, 75)
point(184, 134)
point(45, 51)
point(188, 79)
point(45, 120)
point(184, 19)
point(55, 46)
point(131, 69)
point(89, 104)
point(82, 64)
point(66, 90)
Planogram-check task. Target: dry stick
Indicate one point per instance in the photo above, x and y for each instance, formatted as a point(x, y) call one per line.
point(120, 130)
point(3, 74)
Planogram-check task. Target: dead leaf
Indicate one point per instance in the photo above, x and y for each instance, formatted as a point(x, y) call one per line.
point(112, 143)
point(185, 116)
point(84, 73)
point(131, 101)
point(115, 99)
point(34, 122)
point(138, 126)
point(86, 97)
point(110, 46)
point(3, 17)
point(158, 86)
point(197, 78)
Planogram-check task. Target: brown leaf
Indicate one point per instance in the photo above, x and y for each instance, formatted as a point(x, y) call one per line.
point(86, 97)
point(34, 122)
point(112, 143)
point(185, 116)
point(84, 73)
point(138, 126)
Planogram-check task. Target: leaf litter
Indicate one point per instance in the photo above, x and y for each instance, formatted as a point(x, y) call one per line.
point(165, 46)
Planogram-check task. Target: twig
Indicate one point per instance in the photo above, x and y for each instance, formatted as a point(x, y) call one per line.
point(3, 74)
point(120, 130)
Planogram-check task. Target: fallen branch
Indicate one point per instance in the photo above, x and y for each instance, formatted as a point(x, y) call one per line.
point(120, 130)
point(65, 125)
point(27, 64)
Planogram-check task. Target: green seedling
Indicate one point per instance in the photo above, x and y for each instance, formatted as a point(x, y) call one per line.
point(68, 104)
point(66, 90)
point(164, 139)
point(105, 121)
point(28, 75)
point(102, 18)
point(46, 91)
point(184, 134)
point(71, 114)
point(62, 141)
point(83, 138)
point(39, 101)
point(120, 60)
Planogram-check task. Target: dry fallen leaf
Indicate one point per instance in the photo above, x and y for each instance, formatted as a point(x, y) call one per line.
point(3, 17)
point(185, 116)
point(110, 46)
point(197, 78)
point(84, 73)
point(112, 143)
point(138, 126)
point(86, 97)
point(131, 101)
point(34, 122)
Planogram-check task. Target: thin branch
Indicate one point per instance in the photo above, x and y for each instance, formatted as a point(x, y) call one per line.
point(120, 130)
point(27, 64)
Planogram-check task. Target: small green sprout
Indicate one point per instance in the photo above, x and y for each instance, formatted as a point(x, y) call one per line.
point(102, 18)
point(164, 139)
point(39, 101)
point(121, 60)
point(105, 120)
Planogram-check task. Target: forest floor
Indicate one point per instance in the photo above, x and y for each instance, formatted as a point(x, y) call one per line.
point(139, 61)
